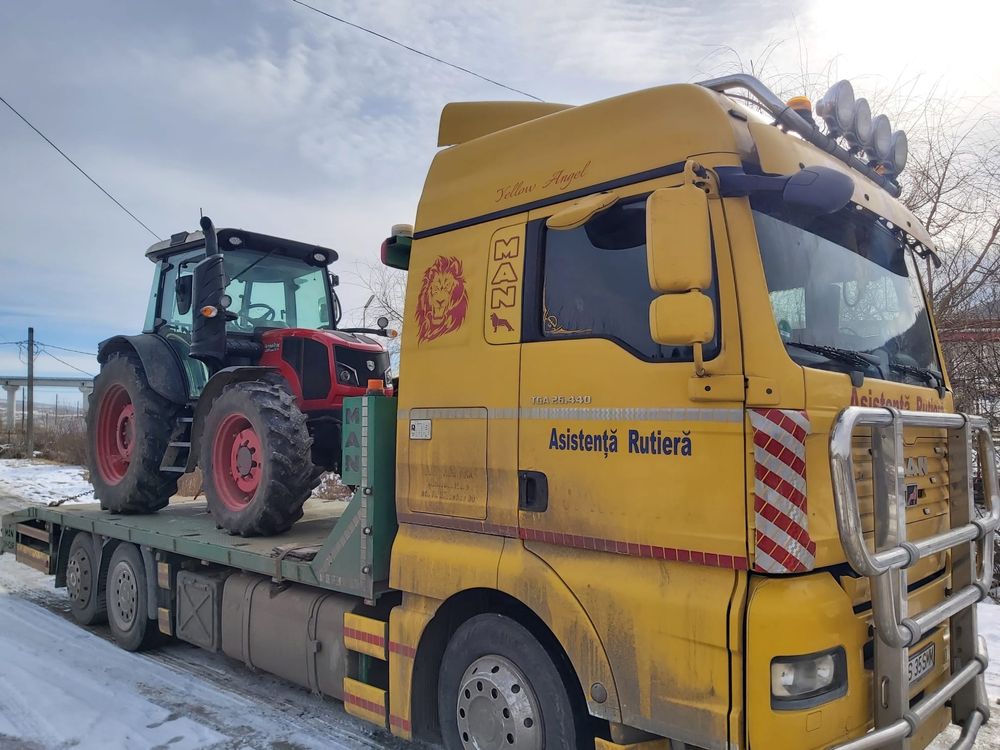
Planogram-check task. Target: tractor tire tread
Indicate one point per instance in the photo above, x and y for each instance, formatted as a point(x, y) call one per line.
point(144, 488)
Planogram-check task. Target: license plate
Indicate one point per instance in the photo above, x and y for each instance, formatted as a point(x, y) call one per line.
point(920, 663)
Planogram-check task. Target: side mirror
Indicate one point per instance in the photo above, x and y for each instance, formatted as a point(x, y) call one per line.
point(678, 239)
point(682, 319)
point(182, 294)
point(382, 322)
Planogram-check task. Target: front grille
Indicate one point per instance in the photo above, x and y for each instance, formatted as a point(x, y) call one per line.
point(311, 362)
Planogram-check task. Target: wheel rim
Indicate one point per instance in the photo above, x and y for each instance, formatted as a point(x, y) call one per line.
point(115, 434)
point(497, 707)
point(78, 577)
point(237, 461)
point(124, 595)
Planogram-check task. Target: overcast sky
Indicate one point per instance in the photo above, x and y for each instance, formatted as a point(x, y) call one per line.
point(274, 118)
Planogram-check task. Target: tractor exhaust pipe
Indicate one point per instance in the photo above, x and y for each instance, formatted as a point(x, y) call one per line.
point(211, 240)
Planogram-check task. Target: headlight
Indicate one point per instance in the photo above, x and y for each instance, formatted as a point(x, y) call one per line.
point(804, 681)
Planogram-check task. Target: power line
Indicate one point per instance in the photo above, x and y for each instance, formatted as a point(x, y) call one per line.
point(63, 361)
point(64, 349)
point(415, 50)
point(79, 168)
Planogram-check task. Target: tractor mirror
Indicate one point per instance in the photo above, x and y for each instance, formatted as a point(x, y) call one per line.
point(182, 294)
point(681, 319)
point(382, 322)
point(678, 239)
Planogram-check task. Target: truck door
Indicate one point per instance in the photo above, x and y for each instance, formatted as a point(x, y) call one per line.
point(631, 468)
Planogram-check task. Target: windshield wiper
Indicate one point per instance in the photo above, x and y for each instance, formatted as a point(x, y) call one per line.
point(933, 377)
point(849, 356)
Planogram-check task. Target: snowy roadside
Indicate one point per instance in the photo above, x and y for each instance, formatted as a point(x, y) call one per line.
point(40, 481)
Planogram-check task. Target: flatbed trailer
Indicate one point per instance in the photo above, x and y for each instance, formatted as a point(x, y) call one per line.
point(249, 597)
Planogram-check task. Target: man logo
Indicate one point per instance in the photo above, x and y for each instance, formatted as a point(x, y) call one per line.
point(916, 466)
point(371, 365)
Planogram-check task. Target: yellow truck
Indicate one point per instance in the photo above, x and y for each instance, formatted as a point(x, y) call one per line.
point(672, 460)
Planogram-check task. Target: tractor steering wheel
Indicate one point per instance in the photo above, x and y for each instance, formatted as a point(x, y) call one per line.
point(269, 313)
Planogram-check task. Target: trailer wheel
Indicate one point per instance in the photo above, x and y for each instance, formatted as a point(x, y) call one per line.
point(125, 590)
point(84, 583)
point(256, 457)
point(499, 688)
point(128, 428)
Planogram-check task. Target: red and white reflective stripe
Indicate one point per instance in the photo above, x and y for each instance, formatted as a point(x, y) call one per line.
point(782, 543)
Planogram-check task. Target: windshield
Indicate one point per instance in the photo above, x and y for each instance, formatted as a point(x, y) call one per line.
point(275, 291)
point(845, 294)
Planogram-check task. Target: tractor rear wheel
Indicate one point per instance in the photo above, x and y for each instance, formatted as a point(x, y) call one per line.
point(255, 455)
point(128, 428)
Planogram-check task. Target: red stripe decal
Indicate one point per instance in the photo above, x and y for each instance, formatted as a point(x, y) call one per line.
point(618, 547)
point(367, 705)
point(782, 543)
point(360, 635)
point(402, 649)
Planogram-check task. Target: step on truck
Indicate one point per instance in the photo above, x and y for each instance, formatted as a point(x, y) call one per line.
point(672, 460)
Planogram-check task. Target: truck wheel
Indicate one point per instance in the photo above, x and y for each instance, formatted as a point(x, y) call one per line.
point(128, 428)
point(126, 599)
point(84, 582)
point(255, 454)
point(498, 688)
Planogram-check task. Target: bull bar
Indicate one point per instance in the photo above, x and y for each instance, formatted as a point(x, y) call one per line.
point(970, 540)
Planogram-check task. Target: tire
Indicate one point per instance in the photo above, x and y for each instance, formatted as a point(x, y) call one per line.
point(256, 459)
point(128, 429)
point(499, 688)
point(84, 582)
point(127, 602)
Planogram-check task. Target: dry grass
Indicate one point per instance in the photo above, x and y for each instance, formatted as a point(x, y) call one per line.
point(64, 442)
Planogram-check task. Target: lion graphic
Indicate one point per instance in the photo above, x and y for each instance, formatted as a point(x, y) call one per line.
point(443, 301)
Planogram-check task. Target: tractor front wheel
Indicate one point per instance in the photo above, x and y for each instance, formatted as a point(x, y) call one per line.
point(255, 454)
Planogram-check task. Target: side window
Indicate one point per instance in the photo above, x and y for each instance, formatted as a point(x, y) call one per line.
point(595, 284)
point(177, 265)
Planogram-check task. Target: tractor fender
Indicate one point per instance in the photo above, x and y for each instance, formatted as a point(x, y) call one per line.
point(159, 360)
point(212, 390)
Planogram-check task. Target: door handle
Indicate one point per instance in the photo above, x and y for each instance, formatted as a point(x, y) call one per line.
point(533, 491)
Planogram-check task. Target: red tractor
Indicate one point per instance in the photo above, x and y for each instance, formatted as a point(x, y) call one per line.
point(241, 370)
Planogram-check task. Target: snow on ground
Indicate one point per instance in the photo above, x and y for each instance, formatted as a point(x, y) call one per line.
point(62, 686)
point(43, 481)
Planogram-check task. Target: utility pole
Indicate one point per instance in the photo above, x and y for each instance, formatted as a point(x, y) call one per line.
point(31, 394)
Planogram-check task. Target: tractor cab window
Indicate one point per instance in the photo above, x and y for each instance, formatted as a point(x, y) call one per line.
point(275, 291)
point(595, 284)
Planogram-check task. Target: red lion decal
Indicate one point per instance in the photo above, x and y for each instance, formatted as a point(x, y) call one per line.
point(443, 301)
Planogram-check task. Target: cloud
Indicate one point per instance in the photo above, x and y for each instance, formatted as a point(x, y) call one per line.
point(271, 117)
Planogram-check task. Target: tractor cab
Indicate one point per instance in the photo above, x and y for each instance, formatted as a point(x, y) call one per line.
point(241, 370)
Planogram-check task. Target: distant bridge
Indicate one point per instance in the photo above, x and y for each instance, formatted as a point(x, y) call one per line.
point(11, 384)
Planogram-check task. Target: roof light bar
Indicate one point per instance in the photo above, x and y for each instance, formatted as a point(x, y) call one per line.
point(845, 117)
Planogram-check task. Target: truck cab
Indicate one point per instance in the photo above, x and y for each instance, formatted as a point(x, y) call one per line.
point(696, 423)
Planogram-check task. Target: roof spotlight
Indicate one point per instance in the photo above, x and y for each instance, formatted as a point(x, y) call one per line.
point(898, 151)
point(860, 131)
point(837, 107)
point(878, 145)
